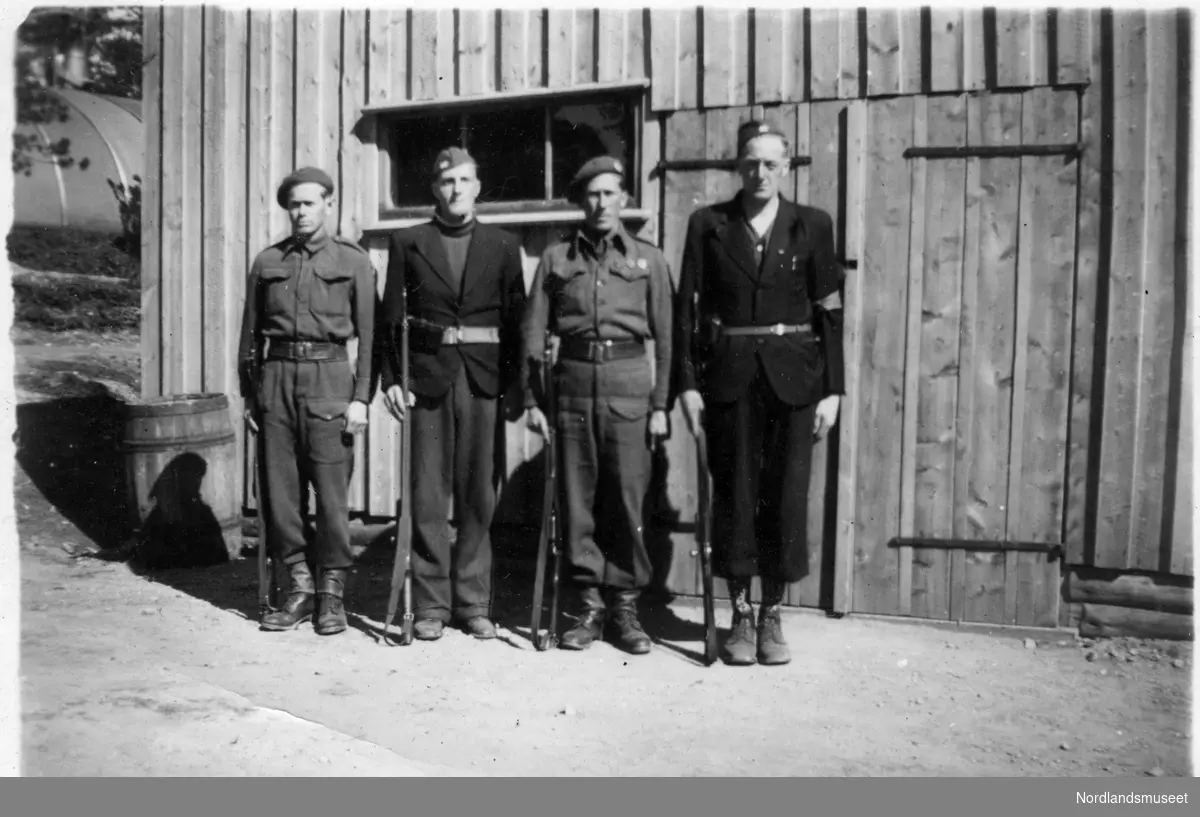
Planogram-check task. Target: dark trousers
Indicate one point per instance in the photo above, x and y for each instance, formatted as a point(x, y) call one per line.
point(302, 419)
point(454, 456)
point(605, 473)
point(760, 456)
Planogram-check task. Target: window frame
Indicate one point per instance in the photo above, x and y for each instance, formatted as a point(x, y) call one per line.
point(388, 215)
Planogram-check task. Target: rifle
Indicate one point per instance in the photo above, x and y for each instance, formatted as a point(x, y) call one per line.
point(704, 547)
point(702, 342)
point(267, 589)
point(548, 538)
point(402, 567)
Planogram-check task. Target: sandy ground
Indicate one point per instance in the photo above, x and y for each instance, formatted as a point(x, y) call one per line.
point(167, 673)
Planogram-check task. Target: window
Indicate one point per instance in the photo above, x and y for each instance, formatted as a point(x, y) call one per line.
point(527, 148)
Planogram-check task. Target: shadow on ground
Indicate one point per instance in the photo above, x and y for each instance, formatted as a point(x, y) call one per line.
point(70, 449)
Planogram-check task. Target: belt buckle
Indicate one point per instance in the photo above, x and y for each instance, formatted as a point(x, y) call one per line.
point(603, 351)
point(454, 335)
point(303, 348)
point(778, 330)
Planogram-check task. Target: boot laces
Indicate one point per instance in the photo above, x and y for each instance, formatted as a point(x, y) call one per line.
point(628, 620)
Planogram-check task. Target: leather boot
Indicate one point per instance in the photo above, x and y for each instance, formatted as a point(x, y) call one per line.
point(772, 648)
point(591, 623)
point(740, 645)
point(332, 617)
point(630, 634)
point(300, 603)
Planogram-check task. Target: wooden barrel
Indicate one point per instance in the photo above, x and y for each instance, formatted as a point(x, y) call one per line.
point(182, 467)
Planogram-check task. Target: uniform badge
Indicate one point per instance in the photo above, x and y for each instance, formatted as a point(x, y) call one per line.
point(642, 263)
point(795, 262)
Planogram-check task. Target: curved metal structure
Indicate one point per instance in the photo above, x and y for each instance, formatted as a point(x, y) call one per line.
point(104, 130)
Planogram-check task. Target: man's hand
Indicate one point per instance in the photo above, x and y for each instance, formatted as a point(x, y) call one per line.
point(356, 417)
point(397, 406)
point(693, 410)
point(826, 415)
point(536, 420)
point(658, 426)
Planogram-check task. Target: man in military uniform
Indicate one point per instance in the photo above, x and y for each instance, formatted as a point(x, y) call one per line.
point(306, 297)
point(759, 363)
point(603, 293)
point(462, 286)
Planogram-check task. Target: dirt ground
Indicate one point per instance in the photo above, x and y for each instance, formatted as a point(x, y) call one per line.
point(124, 673)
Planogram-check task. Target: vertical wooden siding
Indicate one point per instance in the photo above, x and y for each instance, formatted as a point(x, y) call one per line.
point(235, 99)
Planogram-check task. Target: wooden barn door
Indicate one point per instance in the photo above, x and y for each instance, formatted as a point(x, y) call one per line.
point(960, 349)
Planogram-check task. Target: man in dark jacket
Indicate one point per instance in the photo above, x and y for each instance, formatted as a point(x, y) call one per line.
point(759, 363)
point(603, 294)
point(305, 298)
point(461, 285)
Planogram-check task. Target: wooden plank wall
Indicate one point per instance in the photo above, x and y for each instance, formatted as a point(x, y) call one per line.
point(235, 99)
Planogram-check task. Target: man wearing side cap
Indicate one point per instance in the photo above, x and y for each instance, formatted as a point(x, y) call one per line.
point(603, 293)
point(462, 287)
point(305, 298)
point(759, 363)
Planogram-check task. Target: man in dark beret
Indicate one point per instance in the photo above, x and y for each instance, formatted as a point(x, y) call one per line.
point(603, 293)
point(306, 297)
point(759, 364)
point(462, 287)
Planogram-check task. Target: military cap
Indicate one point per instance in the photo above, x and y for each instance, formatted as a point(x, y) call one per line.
point(754, 129)
point(304, 175)
point(591, 169)
point(449, 158)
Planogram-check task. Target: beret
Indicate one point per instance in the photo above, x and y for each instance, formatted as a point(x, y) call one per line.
point(755, 128)
point(591, 169)
point(451, 157)
point(304, 175)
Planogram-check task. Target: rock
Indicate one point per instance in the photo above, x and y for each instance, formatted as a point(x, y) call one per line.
point(147, 612)
point(1030, 644)
point(1090, 655)
point(1177, 663)
point(902, 663)
point(1130, 658)
point(1155, 772)
point(1104, 672)
point(1173, 651)
point(1066, 747)
point(567, 710)
point(1064, 643)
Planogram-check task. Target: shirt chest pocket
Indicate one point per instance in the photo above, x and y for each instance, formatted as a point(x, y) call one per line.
point(570, 289)
point(278, 290)
point(331, 292)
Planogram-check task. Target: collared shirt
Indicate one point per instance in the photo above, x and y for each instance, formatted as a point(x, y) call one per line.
point(613, 288)
point(321, 290)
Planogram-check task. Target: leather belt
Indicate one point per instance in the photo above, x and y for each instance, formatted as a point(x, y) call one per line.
point(305, 350)
point(778, 329)
point(600, 351)
point(457, 335)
